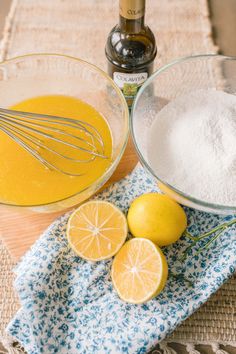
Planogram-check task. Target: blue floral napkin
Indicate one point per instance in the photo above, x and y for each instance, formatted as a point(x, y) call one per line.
point(70, 306)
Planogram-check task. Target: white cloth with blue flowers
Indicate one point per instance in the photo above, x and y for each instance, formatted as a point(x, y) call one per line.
point(70, 306)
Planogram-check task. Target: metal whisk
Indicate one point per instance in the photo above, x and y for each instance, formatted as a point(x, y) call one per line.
point(52, 139)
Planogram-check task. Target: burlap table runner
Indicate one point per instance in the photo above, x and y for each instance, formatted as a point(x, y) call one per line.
point(80, 28)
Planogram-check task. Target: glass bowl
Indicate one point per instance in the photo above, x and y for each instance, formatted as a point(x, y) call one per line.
point(173, 80)
point(52, 74)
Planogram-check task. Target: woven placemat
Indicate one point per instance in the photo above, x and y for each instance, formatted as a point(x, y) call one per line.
point(8, 299)
point(214, 323)
point(80, 28)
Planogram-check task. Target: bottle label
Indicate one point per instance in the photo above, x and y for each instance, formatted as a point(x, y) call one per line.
point(129, 83)
point(132, 9)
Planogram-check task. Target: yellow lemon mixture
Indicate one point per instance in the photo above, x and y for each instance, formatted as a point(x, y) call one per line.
point(25, 181)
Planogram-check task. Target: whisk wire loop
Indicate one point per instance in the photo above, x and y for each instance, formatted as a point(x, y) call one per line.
point(36, 132)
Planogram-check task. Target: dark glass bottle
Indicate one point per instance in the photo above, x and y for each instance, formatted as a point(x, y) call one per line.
point(130, 49)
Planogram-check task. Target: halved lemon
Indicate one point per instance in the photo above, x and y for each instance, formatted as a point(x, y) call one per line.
point(139, 271)
point(97, 230)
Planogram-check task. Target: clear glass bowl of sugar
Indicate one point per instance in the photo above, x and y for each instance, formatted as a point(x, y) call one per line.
point(193, 159)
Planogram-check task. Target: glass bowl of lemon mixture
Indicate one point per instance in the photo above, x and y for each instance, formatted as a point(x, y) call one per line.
point(183, 124)
point(66, 87)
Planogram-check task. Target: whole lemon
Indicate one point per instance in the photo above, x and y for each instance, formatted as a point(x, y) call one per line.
point(156, 217)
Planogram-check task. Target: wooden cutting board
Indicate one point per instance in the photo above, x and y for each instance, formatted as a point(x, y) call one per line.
point(19, 230)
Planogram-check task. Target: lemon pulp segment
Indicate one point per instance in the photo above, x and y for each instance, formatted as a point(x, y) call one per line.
point(97, 230)
point(139, 271)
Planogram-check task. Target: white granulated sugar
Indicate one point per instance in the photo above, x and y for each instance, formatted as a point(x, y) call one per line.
point(192, 145)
